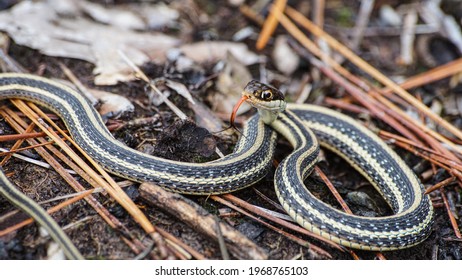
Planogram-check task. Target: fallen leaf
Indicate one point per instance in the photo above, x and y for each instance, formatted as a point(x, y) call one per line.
point(113, 105)
point(180, 89)
point(284, 57)
point(37, 25)
point(119, 17)
point(207, 51)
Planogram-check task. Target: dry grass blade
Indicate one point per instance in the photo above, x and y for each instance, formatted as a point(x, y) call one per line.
point(145, 78)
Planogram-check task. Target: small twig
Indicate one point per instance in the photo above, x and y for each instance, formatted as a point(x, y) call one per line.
point(10, 64)
point(361, 23)
point(407, 37)
point(146, 251)
point(189, 251)
point(221, 240)
point(196, 217)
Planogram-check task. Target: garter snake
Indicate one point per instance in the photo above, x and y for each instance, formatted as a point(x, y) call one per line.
point(249, 162)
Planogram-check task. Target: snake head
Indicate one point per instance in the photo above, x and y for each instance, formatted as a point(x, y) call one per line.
point(262, 92)
point(267, 99)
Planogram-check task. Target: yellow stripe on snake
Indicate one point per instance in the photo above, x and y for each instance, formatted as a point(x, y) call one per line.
point(302, 125)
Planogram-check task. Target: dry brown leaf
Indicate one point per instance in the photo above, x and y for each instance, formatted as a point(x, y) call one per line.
point(38, 26)
point(112, 104)
point(119, 17)
point(207, 51)
point(284, 57)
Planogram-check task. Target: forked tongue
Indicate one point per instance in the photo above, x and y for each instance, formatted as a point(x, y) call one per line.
point(236, 107)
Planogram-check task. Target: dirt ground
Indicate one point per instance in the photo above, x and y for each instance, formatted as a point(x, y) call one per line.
point(167, 137)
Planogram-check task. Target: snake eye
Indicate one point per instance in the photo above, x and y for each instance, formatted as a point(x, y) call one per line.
point(266, 95)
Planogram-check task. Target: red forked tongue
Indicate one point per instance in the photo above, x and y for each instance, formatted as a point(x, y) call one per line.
point(236, 107)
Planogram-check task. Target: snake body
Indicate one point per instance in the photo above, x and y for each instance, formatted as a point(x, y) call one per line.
point(249, 162)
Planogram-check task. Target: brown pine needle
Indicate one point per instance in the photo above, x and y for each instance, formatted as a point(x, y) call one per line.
point(18, 143)
point(103, 212)
point(289, 225)
point(19, 125)
point(441, 184)
point(288, 235)
point(362, 64)
point(49, 211)
point(333, 190)
point(342, 203)
point(25, 148)
point(113, 189)
point(432, 75)
point(270, 25)
point(453, 220)
point(416, 148)
point(4, 138)
point(373, 106)
point(251, 14)
point(341, 104)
